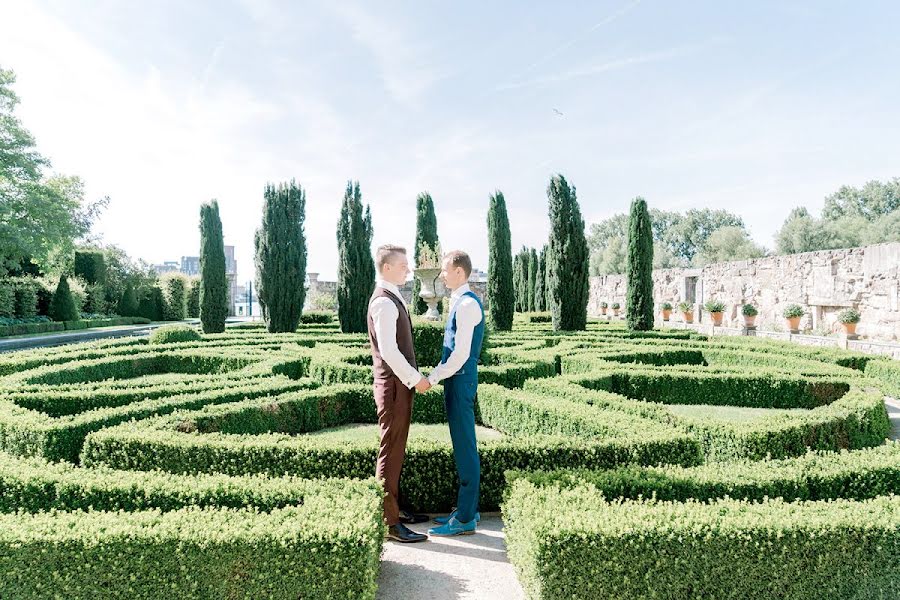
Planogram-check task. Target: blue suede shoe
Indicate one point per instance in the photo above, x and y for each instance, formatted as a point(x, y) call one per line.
point(453, 527)
point(445, 520)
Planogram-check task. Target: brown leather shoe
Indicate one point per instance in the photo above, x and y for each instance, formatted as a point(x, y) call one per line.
point(402, 533)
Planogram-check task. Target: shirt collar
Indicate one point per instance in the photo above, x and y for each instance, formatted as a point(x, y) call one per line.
point(458, 292)
point(391, 288)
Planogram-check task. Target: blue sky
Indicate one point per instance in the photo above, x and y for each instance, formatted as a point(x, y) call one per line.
point(753, 107)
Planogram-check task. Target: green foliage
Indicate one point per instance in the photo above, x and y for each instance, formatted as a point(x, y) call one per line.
point(26, 298)
point(531, 283)
point(500, 291)
point(174, 288)
point(567, 263)
point(62, 306)
point(90, 265)
point(714, 306)
point(849, 315)
point(685, 307)
point(192, 308)
point(356, 268)
point(128, 303)
point(152, 304)
point(888, 374)
point(213, 283)
point(174, 333)
point(427, 234)
point(793, 311)
point(748, 310)
point(639, 296)
point(317, 317)
point(666, 306)
point(874, 200)
point(573, 543)
point(521, 266)
point(280, 257)
point(727, 244)
point(540, 285)
point(7, 298)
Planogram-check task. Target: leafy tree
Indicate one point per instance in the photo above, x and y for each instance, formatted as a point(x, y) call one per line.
point(426, 233)
point(63, 306)
point(639, 292)
point(90, 265)
point(532, 279)
point(871, 202)
point(356, 268)
point(540, 284)
point(128, 304)
point(174, 286)
point(214, 284)
point(280, 257)
point(500, 292)
point(729, 243)
point(567, 262)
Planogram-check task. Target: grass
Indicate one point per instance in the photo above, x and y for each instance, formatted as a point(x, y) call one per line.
point(363, 432)
point(733, 414)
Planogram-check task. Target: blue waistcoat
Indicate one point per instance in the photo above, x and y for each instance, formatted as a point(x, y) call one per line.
point(470, 369)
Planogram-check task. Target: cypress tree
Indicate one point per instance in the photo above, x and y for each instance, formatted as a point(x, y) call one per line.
point(426, 233)
point(213, 283)
point(280, 256)
point(532, 279)
point(193, 298)
point(356, 268)
point(128, 303)
point(519, 281)
point(639, 291)
point(500, 293)
point(62, 305)
point(540, 294)
point(175, 297)
point(567, 262)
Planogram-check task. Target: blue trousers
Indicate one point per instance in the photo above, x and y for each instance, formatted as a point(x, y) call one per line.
point(459, 401)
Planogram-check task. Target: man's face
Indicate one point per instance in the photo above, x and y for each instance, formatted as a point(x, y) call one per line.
point(453, 277)
point(396, 269)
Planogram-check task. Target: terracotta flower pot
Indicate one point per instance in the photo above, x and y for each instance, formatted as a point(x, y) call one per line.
point(794, 323)
point(602, 311)
point(688, 317)
point(849, 328)
point(666, 314)
point(615, 312)
point(717, 318)
point(749, 320)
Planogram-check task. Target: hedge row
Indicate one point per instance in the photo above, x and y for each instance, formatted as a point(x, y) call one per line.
point(856, 475)
point(52, 326)
point(572, 543)
point(887, 372)
point(329, 547)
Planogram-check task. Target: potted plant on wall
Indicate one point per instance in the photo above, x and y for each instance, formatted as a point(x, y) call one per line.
point(849, 318)
point(666, 310)
point(793, 313)
point(716, 309)
point(749, 311)
point(603, 307)
point(687, 311)
point(428, 268)
point(615, 308)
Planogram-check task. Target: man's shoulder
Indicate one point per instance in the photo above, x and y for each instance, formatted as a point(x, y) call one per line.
point(381, 303)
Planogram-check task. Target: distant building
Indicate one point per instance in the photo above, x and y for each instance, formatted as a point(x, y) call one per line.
point(190, 265)
point(169, 266)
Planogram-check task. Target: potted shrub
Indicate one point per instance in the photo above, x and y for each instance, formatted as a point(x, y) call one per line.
point(716, 309)
point(615, 308)
point(849, 318)
point(603, 307)
point(793, 313)
point(666, 310)
point(749, 311)
point(687, 311)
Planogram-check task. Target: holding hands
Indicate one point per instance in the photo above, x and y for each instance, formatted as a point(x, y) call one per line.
point(423, 386)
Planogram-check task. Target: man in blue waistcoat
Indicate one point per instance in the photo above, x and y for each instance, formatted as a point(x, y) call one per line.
point(459, 372)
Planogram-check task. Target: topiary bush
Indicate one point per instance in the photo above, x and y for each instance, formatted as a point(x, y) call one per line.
point(170, 334)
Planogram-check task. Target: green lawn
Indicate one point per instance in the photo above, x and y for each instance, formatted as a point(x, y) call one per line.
point(735, 414)
point(361, 432)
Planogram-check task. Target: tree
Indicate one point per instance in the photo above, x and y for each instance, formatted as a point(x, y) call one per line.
point(214, 285)
point(567, 262)
point(41, 217)
point(729, 243)
point(540, 284)
point(90, 264)
point(532, 279)
point(62, 306)
point(128, 303)
point(426, 233)
point(871, 202)
point(520, 279)
point(280, 257)
point(639, 289)
point(193, 298)
point(174, 286)
point(356, 269)
point(152, 303)
point(500, 293)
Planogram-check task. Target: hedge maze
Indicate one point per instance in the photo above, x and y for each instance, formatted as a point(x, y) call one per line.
point(626, 465)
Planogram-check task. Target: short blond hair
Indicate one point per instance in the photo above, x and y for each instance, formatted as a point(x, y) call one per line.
point(386, 254)
point(458, 258)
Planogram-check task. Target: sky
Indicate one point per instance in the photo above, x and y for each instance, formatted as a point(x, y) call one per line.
point(753, 107)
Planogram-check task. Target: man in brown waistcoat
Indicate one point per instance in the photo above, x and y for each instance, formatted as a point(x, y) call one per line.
point(396, 377)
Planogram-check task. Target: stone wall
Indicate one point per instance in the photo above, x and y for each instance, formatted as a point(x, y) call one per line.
point(824, 283)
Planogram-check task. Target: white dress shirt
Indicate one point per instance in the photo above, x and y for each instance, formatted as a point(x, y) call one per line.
point(384, 317)
point(468, 316)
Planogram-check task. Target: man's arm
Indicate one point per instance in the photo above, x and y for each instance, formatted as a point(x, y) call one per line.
point(384, 317)
point(468, 316)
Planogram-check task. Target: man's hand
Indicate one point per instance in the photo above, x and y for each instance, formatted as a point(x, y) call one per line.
point(423, 386)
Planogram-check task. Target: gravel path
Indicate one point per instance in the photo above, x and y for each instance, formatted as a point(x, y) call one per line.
point(893, 408)
point(467, 567)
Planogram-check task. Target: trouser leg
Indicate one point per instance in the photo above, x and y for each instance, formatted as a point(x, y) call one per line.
point(459, 399)
point(393, 402)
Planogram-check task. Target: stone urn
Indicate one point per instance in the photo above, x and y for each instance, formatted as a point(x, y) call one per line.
point(432, 290)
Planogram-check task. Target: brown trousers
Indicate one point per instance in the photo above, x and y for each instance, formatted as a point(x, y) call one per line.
point(393, 400)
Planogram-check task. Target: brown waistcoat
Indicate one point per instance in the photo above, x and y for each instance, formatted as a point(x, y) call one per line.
point(404, 336)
